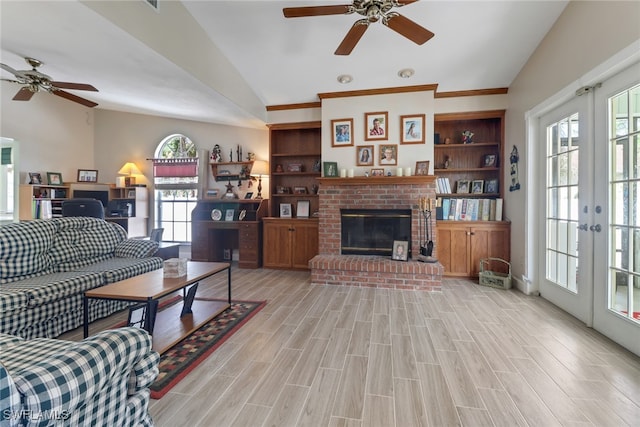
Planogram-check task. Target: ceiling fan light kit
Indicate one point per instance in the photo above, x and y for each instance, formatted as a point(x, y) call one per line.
point(33, 81)
point(345, 78)
point(373, 11)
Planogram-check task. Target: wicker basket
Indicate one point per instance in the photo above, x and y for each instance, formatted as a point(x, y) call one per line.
point(492, 278)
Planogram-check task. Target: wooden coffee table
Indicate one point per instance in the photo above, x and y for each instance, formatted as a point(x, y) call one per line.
point(170, 325)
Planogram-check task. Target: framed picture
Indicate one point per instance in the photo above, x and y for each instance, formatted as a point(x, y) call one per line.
point(341, 132)
point(388, 154)
point(35, 178)
point(300, 190)
point(285, 210)
point(249, 195)
point(477, 186)
point(462, 186)
point(211, 193)
point(412, 129)
point(294, 167)
point(400, 250)
point(54, 178)
point(87, 175)
point(302, 209)
point(228, 215)
point(131, 194)
point(364, 155)
point(491, 186)
point(283, 190)
point(422, 167)
point(489, 161)
point(377, 172)
point(330, 169)
point(376, 126)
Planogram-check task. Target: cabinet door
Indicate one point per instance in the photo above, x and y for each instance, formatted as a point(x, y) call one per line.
point(277, 246)
point(491, 240)
point(453, 249)
point(305, 244)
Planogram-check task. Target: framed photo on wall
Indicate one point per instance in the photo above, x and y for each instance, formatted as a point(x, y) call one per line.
point(342, 132)
point(376, 126)
point(87, 175)
point(364, 155)
point(412, 129)
point(388, 155)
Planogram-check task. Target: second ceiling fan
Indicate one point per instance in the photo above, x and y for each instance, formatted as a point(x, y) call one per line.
point(373, 11)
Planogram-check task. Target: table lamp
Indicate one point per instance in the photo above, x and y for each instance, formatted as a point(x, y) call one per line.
point(260, 167)
point(131, 170)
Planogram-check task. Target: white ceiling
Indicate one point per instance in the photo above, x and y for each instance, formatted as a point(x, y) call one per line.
point(477, 45)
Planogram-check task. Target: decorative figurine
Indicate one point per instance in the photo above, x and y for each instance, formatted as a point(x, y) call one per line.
point(216, 154)
point(231, 155)
point(467, 137)
point(447, 162)
point(251, 157)
point(515, 182)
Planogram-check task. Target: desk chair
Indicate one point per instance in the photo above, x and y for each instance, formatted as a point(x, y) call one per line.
point(156, 234)
point(83, 207)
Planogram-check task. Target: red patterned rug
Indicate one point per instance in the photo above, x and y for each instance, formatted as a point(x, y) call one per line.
point(177, 362)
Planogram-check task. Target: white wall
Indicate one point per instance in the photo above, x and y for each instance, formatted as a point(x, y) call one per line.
point(585, 35)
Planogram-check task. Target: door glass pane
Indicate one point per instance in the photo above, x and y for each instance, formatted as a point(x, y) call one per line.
point(563, 142)
point(624, 190)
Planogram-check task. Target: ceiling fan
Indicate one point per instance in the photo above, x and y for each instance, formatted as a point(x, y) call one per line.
point(34, 81)
point(373, 11)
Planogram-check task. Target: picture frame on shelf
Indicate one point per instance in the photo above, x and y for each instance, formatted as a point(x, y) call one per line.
point(330, 169)
point(462, 186)
point(294, 167)
point(491, 186)
point(285, 210)
point(87, 175)
point(54, 178)
point(35, 178)
point(302, 208)
point(211, 193)
point(489, 161)
point(477, 185)
point(412, 129)
point(400, 250)
point(388, 155)
point(228, 214)
point(377, 172)
point(283, 189)
point(342, 132)
point(131, 194)
point(422, 168)
point(364, 155)
point(248, 195)
point(300, 190)
point(376, 126)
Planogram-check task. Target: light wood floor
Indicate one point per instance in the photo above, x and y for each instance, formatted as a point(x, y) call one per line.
point(338, 356)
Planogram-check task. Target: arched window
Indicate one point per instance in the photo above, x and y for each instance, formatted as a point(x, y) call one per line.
point(176, 185)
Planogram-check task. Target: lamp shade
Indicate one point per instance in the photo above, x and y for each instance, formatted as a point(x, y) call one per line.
point(130, 169)
point(260, 167)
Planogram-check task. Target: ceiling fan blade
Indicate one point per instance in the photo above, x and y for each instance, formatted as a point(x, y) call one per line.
point(405, 2)
point(74, 98)
point(24, 94)
point(298, 12)
point(352, 38)
point(406, 27)
point(76, 86)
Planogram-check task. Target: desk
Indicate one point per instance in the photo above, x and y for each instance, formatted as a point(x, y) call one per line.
point(210, 238)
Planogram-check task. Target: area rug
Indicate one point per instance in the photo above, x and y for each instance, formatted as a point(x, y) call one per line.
point(182, 358)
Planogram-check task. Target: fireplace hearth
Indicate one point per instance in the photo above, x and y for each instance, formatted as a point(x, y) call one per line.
point(373, 231)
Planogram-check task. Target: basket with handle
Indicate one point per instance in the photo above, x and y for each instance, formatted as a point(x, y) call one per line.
point(487, 277)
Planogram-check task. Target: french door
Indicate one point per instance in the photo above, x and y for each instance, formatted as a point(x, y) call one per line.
point(589, 213)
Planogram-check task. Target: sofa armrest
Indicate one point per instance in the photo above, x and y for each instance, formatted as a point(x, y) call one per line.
point(144, 373)
point(136, 248)
point(65, 382)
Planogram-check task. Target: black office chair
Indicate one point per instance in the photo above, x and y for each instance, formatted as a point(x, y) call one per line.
point(156, 234)
point(83, 207)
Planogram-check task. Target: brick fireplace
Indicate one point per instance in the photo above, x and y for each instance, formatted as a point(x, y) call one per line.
point(331, 267)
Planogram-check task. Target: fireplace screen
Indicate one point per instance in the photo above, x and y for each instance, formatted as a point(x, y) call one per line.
point(372, 231)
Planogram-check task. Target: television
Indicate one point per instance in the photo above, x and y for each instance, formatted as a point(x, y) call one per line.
point(103, 196)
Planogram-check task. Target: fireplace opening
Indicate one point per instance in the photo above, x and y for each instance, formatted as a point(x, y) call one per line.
point(372, 231)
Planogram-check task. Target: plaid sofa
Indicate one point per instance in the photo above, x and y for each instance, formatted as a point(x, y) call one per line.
point(46, 265)
point(101, 381)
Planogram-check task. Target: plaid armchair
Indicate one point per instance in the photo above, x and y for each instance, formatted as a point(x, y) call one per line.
point(101, 381)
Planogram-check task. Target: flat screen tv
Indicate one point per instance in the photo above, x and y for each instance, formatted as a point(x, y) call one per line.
point(103, 196)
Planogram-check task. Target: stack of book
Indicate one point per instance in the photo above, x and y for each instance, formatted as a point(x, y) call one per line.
point(461, 209)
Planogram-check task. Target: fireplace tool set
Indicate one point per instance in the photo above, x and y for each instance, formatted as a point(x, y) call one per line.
point(426, 244)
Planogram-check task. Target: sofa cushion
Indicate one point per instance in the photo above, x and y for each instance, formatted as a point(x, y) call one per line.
point(24, 249)
point(116, 269)
point(9, 399)
point(134, 248)
point(84, 238)
point(12, 300)
point(55, 286)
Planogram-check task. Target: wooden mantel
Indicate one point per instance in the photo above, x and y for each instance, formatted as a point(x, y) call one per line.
point(379, 180)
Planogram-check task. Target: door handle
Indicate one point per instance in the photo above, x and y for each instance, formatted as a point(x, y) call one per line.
point(583, 227)
point(596, 228)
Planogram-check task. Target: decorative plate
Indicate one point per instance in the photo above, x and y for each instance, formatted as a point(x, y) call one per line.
point(243, 213)
point(216, 214)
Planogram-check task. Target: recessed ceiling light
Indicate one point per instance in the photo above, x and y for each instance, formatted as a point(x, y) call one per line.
point(345, 78)
point(405, 73)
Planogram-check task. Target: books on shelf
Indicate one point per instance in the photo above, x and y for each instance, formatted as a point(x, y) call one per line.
point(470, 209)
point(443, 186)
